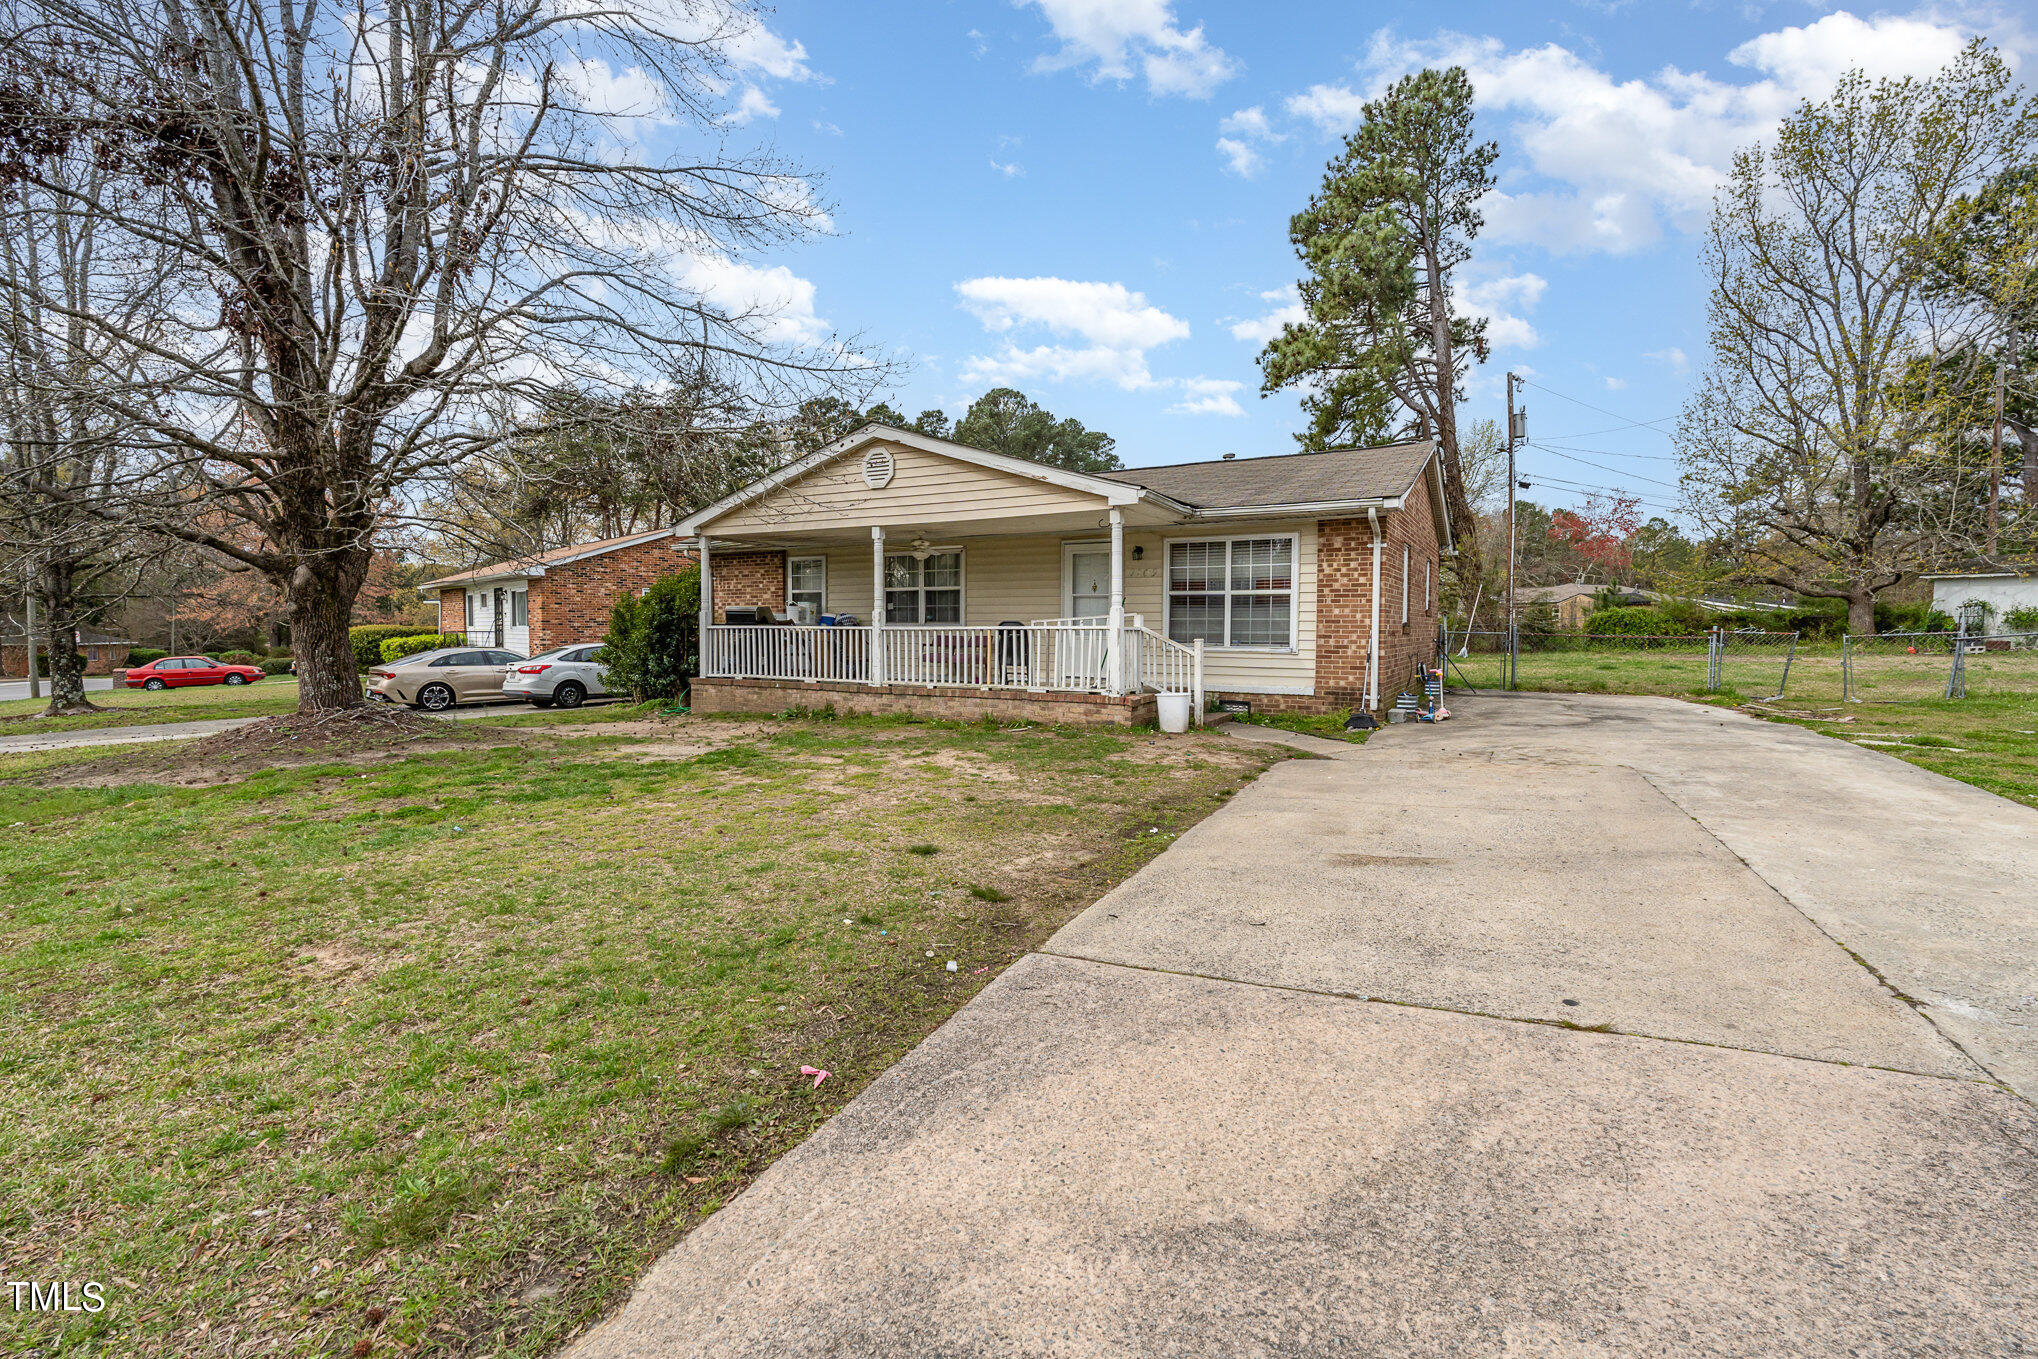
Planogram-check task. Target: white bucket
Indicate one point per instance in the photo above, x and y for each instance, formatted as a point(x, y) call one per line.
point(1174, 711)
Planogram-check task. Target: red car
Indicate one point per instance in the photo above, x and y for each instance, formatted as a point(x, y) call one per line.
point(179, 670)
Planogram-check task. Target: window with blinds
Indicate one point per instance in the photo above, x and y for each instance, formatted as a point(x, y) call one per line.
point(1236, 592)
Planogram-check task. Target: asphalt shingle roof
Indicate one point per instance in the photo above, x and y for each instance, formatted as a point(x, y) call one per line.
point(1287, 478)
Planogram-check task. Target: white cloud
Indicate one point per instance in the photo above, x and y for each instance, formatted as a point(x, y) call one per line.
point(1622, 159)
point(1121, 39)
point(1116, 326)
point(1503, 300)
point(1286, 311)
point(775, 304)
point(1614, 384)
point(1208, 396)
point(752, 105)
point(826, 128)
point(1237, 135)
point(1009, 169)
point(1672, 358)
point(1241, 158)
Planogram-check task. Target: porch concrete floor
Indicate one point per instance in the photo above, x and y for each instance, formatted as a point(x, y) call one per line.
point(1180, 1130)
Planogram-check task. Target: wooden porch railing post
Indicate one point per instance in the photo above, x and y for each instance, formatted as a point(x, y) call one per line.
point(1114, 636)
point(707, 622)
point(877, 605)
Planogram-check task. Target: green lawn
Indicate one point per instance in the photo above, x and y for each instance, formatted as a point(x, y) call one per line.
point(1329, 726)
point(1987, 739)
point(139, 707)
point(433, 1051)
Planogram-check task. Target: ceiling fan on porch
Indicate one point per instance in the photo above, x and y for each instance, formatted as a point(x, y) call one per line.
point(922, 549)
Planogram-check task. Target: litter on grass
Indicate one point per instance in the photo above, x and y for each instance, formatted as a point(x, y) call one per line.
point(816, 1072)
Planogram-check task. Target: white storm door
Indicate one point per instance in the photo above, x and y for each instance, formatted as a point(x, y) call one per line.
point(1086, 595)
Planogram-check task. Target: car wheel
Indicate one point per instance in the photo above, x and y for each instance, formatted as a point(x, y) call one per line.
point(569, 695)
point(154, 684)
point(236, 679)
point(435, 698)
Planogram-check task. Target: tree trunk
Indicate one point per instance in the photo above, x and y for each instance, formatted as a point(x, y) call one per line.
point(2027, 443)
point(57, 591)
point(1861, 612)
point(321, 606)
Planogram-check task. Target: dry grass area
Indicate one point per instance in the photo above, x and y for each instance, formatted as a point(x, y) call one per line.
point(429, 1047)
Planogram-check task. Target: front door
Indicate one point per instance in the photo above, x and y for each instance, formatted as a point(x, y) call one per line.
point(1086, 600)
point(501, 608)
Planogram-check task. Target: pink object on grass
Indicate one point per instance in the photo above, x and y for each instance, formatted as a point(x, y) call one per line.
point(816, 1072)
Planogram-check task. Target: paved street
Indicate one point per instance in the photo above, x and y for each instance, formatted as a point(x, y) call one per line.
point(1577, 1025)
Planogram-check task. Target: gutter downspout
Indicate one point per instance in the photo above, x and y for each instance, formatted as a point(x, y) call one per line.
point(1373, 638)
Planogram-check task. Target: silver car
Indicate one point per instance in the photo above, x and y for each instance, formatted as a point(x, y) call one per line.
point(564, 677)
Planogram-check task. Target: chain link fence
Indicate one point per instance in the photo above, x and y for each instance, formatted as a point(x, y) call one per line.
point(1753, 664)
point(1903, 667)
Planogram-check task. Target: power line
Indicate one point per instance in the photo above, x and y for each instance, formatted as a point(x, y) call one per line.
point(1611, 453)
point(1633, 424)
point(1617, 471)
point(1589, 406)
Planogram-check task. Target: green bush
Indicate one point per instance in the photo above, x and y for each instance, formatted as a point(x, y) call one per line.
point(396, 648)
point(238, 658)
point(652, 647)
point(367, 640)
point(1892, 617)
point(276, 665)
point(2024, 619)
point(142, 655)
point(1637, 621)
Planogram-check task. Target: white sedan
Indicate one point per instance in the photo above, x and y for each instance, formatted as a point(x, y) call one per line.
point(564, 677)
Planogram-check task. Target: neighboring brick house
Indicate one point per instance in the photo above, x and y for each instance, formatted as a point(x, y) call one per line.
point(555, 598)
point(950, 580)
point(103, 654)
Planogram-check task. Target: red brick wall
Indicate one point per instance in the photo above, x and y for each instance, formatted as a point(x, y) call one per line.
point(99, 660)
point(1344, 604)
point(453, 609)
point(745, 579)
point(571, 603)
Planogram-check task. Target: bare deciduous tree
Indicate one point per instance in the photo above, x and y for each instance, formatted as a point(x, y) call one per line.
point(387, 224)
point(1800, 446)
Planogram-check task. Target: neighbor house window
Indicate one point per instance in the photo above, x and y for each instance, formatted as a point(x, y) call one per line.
point(1426, 606)
point(923, 589)
point(1232, 592)
point(806, 581)
point(473, 608)
point(520, 609)
point(1404, 585)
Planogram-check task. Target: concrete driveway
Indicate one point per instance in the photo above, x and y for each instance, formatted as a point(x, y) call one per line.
point(1581, 1026)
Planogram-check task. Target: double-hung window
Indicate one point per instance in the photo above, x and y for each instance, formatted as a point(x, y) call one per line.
point(520, 609)
point(923, 589)
point(1233, 592)
point(806, 581)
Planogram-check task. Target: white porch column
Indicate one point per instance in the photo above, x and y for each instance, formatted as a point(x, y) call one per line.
point(877, 604)
point(1114, 626)
point(707, 603)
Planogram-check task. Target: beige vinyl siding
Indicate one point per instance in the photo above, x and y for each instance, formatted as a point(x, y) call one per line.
point(925, 488)
point(1021, 579)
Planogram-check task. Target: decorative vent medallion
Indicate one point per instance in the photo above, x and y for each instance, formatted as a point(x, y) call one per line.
point(877, 468)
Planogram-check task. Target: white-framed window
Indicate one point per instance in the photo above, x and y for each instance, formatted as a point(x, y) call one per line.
point(1427, 607)
point(1404, 585)
point(520, 609)
point(806, 581)
point(923, 589)
point(1233, 592)
point(473, 608)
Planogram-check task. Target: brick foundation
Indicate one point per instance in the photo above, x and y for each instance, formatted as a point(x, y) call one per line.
point(915, 700)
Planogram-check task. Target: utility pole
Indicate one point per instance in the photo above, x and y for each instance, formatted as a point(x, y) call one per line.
point(1517, 425)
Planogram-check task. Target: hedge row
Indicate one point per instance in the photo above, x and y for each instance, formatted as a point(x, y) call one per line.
point(367, 640)
point(396, 648)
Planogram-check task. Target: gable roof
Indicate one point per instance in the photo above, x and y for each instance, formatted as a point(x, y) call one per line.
point(518, 568)
point(1337, 474)
point(1339, 479)
point(1980, 568)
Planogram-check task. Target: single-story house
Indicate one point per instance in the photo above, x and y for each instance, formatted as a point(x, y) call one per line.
point(1574, 601)
point(1978, 596)
point(924, 576)
point(103, 654)
point(554, 598)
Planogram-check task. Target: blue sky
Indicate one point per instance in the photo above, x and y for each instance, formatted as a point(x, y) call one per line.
point(1088, 199)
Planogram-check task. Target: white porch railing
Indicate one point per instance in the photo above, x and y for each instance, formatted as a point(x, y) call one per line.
point(1068, 655)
